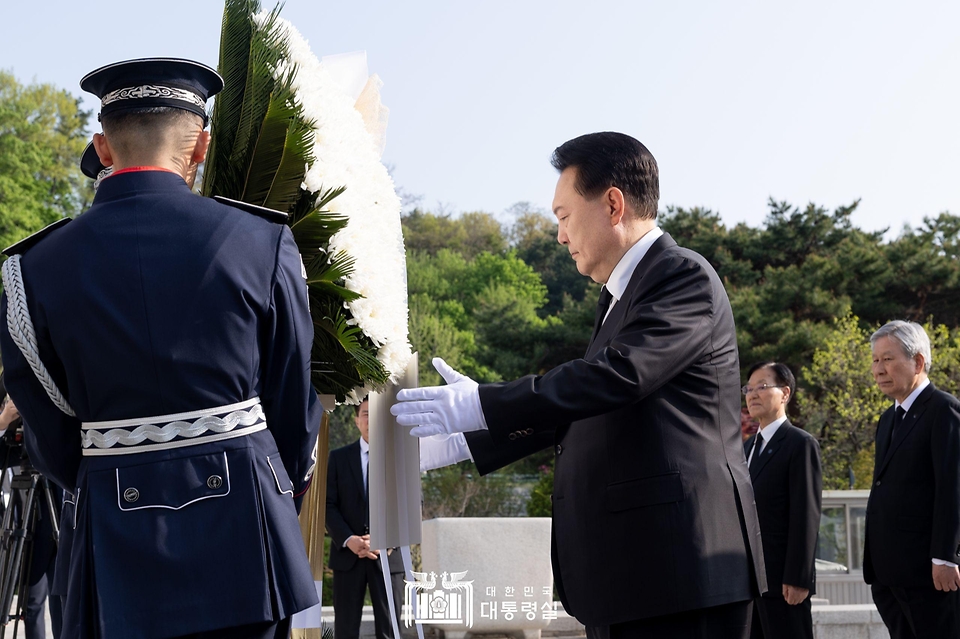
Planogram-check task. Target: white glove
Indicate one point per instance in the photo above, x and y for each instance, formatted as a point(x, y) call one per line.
point(438, 451)
point(437, 410)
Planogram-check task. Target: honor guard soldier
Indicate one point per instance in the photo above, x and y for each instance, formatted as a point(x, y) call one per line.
point(158, 348)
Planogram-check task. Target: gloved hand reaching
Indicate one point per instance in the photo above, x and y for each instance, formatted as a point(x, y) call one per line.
point(436, 410)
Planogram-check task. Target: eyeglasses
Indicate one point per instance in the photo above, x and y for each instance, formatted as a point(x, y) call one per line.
point(746, 390)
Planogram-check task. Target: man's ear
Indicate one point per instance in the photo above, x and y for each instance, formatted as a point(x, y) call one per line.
point(200, 148)
point(102, 149)
point(918, 363)
point(613, 200)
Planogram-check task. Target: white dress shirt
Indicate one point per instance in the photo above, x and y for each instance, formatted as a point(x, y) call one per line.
point(619, 278)
point(764, 435)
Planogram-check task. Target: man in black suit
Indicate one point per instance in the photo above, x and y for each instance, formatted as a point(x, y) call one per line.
point(355, 564)
point(913, 516)
point(784, 464)
point(655, 532)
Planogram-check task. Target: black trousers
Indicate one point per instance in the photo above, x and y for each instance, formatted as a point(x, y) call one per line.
point(918, 613)
point(349, 587)
point(774, 618)
point(266, 630)
point(729, 621)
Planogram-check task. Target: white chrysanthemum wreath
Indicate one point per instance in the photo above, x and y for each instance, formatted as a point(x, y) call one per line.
point(347, 155)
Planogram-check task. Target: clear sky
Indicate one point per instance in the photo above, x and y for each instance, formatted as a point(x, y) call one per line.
point(815, 101)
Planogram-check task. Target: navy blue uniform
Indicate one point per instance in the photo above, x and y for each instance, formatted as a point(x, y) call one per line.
point(158, 301)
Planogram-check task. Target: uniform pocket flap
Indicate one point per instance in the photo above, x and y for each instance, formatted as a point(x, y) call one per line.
point(284, 485)
point(174, 483)
point(646, 491)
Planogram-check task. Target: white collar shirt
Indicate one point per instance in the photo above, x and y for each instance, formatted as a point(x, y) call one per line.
point(764, 435)
point(619, 279)
point(908, 402)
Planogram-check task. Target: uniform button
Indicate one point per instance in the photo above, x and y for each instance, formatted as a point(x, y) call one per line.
point(878, 483)
point(214, 481)
point(131, 495)
point(559, 449)
point(512, 436)
point(529, 431)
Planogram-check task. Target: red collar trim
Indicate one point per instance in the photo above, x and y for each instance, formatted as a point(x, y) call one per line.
point(136, 169)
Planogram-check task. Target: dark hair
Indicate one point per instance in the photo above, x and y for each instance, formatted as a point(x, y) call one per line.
point(782, 375)
point(119, 122)
point(611, 159)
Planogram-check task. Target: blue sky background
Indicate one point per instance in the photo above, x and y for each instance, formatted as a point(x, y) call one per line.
point(822, 101)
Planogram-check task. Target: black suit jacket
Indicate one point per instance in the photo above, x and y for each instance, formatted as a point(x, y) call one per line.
point(346, 503)
point(347, 507)
point(653, 512)
point(788, 486)
point(913, 514)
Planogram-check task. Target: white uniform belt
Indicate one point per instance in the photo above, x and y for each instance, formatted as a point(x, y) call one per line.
point(163, 432)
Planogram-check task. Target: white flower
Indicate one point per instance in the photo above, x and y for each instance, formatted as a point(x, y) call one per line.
point(347, 155)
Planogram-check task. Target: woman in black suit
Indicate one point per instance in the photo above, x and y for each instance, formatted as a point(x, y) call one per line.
point(784, 464)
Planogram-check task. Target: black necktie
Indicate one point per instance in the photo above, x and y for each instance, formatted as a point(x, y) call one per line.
point(603, 305)
point(366, 490)
point(897, 420)
point(754, 461)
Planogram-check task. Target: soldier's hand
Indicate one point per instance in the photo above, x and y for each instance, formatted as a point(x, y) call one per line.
point(9, 413)
point(794, 595)
point(946, 578)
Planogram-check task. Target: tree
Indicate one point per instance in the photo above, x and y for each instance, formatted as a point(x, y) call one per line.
point(841, 404)
point(534, 237)
point(41, 140)
point(469, 234)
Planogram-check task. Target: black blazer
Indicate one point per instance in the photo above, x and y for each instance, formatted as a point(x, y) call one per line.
point(347, 507)
point(653, 512)
point(788, 486)
point(346, 503)
point(913, 514)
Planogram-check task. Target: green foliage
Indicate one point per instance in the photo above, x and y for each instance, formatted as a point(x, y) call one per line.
point(841, 403)
point(468, 235)
point(541, 497)
point(459, 491)
point(261, 145)
point(788, 280)
point(483, 309)
point(42, 135)
point(534, 237)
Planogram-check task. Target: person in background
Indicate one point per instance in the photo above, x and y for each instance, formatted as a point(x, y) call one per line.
point(784, 464)
point(356, 566)
point(912, 543)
